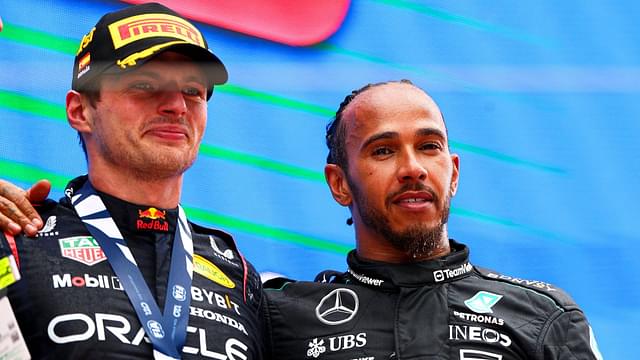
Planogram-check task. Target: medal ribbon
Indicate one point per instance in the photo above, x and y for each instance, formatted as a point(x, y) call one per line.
point(168, 331)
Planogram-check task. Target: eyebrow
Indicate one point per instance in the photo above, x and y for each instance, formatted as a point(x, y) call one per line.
point(380, 136)
point(392, 135)
point(431, 132)
point(157, 76)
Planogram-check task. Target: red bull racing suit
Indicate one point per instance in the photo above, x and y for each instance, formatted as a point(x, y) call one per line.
point(438, 309)
point(70, 305)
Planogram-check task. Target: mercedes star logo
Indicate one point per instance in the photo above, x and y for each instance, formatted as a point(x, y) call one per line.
point(338, 307)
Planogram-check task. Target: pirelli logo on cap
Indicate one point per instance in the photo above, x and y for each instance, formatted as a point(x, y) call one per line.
point(145, 26)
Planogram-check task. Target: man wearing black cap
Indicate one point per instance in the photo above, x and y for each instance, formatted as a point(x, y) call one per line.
point(120, 272)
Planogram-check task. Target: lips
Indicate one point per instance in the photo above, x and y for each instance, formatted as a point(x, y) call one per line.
point(414, 199)
point(169, 132)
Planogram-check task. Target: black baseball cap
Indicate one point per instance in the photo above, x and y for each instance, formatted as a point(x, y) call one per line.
point(127, 38)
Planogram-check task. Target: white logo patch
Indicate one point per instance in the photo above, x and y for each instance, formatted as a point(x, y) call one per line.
point(49, 225)
point(338, 307)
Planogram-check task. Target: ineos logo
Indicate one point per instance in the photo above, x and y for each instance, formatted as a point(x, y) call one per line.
point(338, 307)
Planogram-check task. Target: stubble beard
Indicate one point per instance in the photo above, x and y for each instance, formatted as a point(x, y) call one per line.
point(417, 241)
point(142, 162)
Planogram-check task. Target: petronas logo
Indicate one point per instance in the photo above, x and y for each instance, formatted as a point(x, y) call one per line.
point(482, 302)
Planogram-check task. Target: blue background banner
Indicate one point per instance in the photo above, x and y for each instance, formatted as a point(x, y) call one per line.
point(541, 103)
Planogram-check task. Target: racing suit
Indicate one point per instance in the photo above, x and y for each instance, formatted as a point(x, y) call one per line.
point(70, 305)
point(436, 309)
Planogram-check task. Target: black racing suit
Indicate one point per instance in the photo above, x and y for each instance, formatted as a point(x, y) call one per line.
point(70, 305)
point(437, 309)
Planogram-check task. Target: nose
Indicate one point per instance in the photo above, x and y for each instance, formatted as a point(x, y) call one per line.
point(410, 169)
point(172, 103)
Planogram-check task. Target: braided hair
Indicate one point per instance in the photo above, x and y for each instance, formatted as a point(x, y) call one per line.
point(335, 136)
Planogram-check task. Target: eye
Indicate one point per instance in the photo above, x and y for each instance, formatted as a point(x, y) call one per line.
point(196, 91)
point(142, 86)
point(191, 91)
point(431, 146)
point(381, 151)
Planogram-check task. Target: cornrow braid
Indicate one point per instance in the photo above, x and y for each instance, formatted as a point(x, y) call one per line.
point(335, 136)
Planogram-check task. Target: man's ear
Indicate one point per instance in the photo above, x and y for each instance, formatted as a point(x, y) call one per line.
point(77, 107)
point(455, 176)
point(337, 181)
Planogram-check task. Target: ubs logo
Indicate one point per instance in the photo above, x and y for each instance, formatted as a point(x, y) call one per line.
point(338, 307)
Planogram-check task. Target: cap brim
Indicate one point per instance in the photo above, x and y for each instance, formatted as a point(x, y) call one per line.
point(212, 65)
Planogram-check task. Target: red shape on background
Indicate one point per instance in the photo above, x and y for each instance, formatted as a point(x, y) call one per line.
point(291, 22)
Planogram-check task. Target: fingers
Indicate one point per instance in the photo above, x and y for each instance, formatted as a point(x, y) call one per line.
point(17, 214)
point(39, 192)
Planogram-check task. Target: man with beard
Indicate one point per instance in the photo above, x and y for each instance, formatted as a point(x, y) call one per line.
point(410, 292)
point(119, 272)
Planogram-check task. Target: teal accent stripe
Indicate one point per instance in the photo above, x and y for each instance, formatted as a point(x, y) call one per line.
point(465, 21)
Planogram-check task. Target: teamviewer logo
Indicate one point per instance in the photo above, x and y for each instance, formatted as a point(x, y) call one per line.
point(438, 275)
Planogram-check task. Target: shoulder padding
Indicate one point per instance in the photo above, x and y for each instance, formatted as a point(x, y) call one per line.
point(277, 283)
point(226, 237)
point(554, 293)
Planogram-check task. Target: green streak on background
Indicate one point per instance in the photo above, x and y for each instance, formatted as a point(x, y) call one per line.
point(265, 231)
point(39, 39)
point(30, 105)
point(261, 162)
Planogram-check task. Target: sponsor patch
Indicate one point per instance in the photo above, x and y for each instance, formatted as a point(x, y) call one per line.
point(318, 346)
point(478, 334)
point(482, 302)
point(49, 227)
point(448, 274)
point(83, 249)
point(152, 219)
point(366, 279)
point(338, 307)
point(533, 283)
point(483, 319)
point(145, 26)
point(86, 280)
point(205, 268)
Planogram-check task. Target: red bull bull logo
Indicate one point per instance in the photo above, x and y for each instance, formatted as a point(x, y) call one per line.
point(152, 219)
point(152, 213)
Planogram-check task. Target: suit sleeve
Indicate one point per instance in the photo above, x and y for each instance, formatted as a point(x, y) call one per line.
point(570, 337)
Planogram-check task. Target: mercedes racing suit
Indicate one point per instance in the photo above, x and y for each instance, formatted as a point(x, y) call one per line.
point(70, 305)
point(437, 309)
